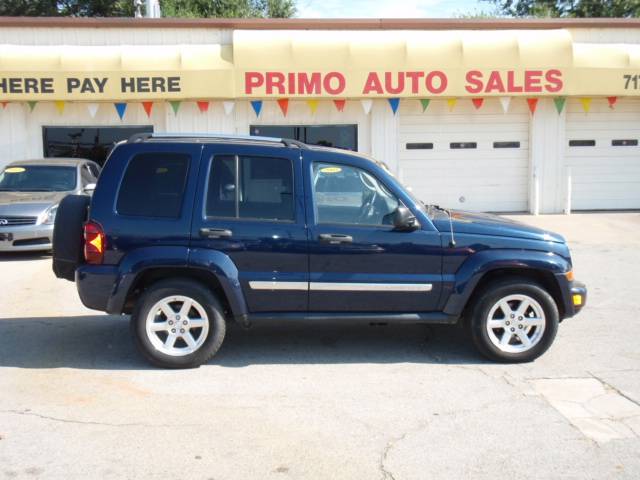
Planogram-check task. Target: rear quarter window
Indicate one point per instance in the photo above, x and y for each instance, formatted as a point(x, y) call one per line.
point(153, 185)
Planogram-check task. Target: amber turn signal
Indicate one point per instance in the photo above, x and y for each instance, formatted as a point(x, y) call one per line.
point(569, 275)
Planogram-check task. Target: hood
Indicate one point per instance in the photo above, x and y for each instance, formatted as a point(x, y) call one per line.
point(488, 224)
point(28, 204)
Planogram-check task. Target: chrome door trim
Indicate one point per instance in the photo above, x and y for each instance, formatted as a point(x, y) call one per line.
point(370, 287)
point(276, 285)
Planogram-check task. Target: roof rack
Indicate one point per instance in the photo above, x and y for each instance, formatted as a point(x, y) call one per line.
point(141, 137)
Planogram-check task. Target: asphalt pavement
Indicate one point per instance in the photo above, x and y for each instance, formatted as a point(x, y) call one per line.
point(326, 401)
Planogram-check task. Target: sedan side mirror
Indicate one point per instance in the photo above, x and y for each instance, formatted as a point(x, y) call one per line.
point(89, 188)
point(404, 220)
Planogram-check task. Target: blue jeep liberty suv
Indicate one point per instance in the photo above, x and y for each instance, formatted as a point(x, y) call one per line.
point(188, 232)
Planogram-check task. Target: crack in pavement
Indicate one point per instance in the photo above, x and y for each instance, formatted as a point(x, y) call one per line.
point(615, 389)
point(89, 422)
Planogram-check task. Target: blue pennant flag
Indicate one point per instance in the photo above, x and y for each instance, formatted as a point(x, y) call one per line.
point(257, 106)
point(394, 103)
point(120, 108)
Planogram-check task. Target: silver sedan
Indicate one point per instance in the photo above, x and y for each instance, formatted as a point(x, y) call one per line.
point(30, 191)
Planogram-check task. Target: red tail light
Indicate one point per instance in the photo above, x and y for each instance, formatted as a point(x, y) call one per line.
point(95, 243)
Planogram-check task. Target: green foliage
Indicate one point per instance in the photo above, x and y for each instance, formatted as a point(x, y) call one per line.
point(228, 8)
point(568, 8)
point(68, 8)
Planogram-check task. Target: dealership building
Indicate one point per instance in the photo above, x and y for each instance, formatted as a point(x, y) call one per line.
point(541, 116)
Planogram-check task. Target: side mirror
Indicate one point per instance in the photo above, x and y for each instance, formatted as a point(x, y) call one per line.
point(404, 220)
point(89, 188)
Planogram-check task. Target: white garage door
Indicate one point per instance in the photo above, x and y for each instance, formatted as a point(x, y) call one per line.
point(602, 154)
point(468, 159)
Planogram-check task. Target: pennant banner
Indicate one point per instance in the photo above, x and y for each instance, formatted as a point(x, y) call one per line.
point(283, 103)
point(452, 103)
point(147, 106)
point(612, 101)
point(477, 102)
point(559, 103)
point(340, 104)
point(505, 102)
point(4, 104)
point(228, 107)
point(121, 107)
point(257, 106)
point(533, 103)
point(203, 106)
point(32, 105)
point(175, 106)
point(586, 104)
point(93, 109)
point(425, 104)
point(394, 103)
point(59, 106)
point(366, 105)
point(313, 106)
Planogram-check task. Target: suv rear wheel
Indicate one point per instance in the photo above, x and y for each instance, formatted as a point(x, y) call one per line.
point(514, 321)
point(178, 324)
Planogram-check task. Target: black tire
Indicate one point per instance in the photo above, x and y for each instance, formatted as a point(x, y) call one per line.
point(178, 287)
point(489, 297)
point(67, 235)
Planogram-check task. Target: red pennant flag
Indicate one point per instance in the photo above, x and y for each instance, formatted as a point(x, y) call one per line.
point(203, 106)
point(4, 104)
point(477, 102)
point(612, 101)
point(147, 108)
point(340, 104)
point(533, 103)
point(283, 103)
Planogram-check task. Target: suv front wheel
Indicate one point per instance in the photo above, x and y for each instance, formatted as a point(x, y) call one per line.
point(178, 324)
point(514, 320)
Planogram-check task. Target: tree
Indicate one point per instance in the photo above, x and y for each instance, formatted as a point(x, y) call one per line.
point(228, 8)
point(67, 8)
point(568, 8)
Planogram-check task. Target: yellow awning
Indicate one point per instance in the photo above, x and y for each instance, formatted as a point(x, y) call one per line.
point(330, 64)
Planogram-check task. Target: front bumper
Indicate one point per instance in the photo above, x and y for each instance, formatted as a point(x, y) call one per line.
point(26, 238)
point(574, 296)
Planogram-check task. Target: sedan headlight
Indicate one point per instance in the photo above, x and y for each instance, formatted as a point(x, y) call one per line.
point(48, 217)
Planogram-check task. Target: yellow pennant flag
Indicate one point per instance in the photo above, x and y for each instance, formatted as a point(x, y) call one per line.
point(586, 104)
point(452, 103)
point(59, 106)
point(313, 105)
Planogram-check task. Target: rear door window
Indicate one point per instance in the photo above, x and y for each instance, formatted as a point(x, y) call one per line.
point(246, 187)
point(153, 185)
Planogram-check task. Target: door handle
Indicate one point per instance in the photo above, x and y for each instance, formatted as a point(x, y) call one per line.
point(215, 233)
point(335, 238)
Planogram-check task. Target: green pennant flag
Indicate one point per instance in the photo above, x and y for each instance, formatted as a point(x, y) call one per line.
point(559, 102)
point(32, 105)
point(425, 103)
point(175, 105)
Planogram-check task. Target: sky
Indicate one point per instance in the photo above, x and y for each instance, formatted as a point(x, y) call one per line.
point(387, 8)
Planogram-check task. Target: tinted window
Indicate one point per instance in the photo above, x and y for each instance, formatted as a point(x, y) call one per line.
point(250, 187)
point(153, 185)
point(339, 136)
point(32, 178)
point(344, 194)
point(93, 143)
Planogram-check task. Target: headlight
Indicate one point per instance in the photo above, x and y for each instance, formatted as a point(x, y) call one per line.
point(48, 217)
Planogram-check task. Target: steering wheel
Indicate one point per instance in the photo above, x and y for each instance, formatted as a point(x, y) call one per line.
point(368, 207)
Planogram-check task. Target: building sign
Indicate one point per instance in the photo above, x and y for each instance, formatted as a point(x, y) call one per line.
point(311, 64)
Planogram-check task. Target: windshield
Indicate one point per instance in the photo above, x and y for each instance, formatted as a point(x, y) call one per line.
point(38, 178)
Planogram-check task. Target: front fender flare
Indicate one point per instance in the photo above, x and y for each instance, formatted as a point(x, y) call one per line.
point(476, 266)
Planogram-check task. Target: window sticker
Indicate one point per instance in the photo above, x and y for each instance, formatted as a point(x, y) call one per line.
point(331, 170)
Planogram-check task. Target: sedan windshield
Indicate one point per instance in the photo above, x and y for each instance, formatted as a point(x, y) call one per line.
point(38, 178)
